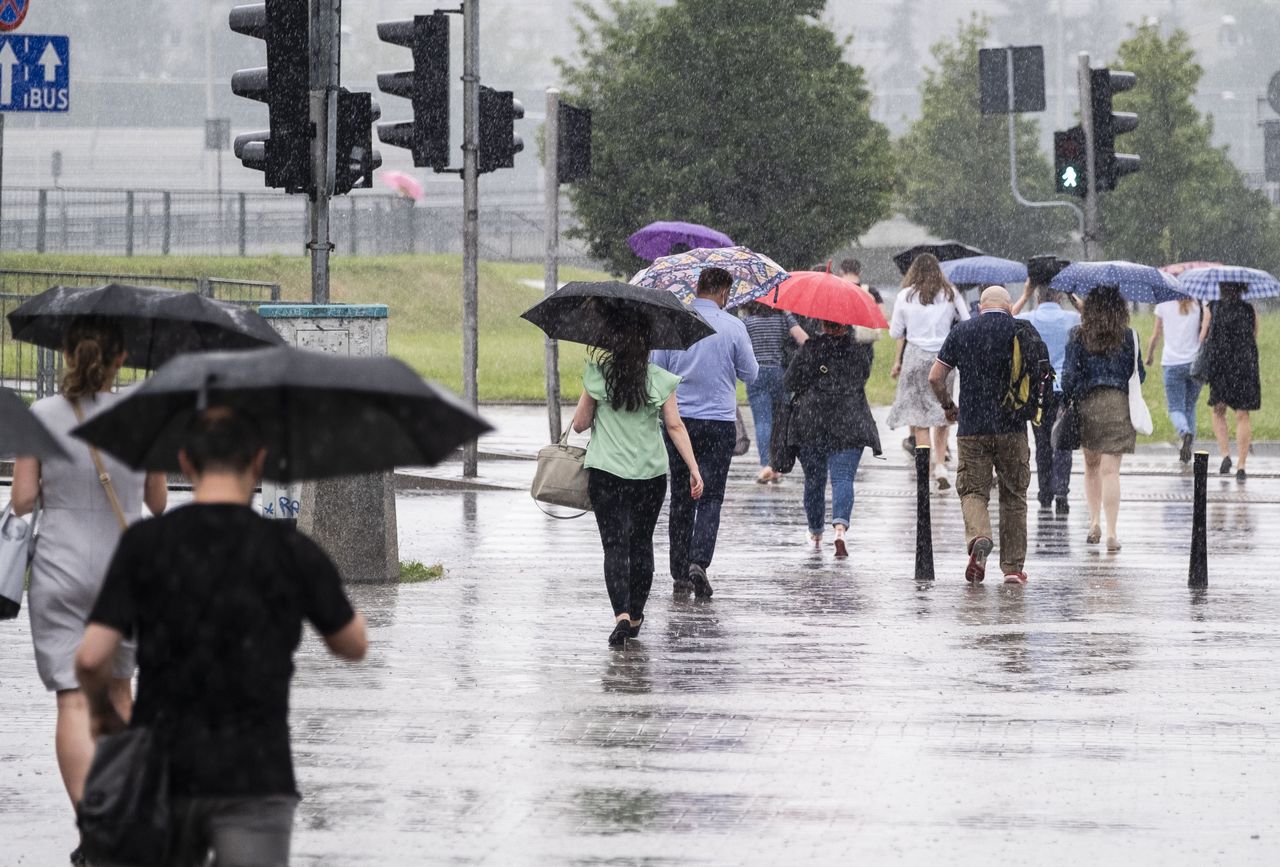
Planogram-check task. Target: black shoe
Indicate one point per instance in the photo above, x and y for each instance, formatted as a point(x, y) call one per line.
point(909, 444)
point(621, 632)
point(1046, 502)
point(1240, 475)
point(1061, 506)
point(1184, 454)
point(1225, 468)
point(78, 859)
point(681, 587)
point(701, 586)
point(634, 630)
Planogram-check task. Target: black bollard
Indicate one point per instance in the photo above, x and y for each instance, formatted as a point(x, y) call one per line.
point(1198, 576)
point(924, 523)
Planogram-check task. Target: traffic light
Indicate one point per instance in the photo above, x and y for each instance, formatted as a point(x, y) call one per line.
point(573, 149)
point(499, 144)
point(284, 151)
point(1070, 169)
point(355, 157)
point(1110, 166)
point(1271, 150)
point(427, 84)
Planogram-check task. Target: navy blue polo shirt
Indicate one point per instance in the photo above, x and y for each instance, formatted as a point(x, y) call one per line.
point(981, 348)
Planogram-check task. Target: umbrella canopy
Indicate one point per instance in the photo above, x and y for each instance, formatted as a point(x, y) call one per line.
point(984, 270)
point(1203, 283)
point(157, 323)
point(21, 433)
point(583, 312)
point(1138, 283)
point(944, 250)
point(659, 239)
point(1178, 268)
point(403, 183)
point(320, 415)
point(820, 295)
point(754, 275)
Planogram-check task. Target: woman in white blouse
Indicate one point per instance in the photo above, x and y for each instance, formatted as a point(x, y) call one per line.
point(1183, 324)
point(927, 307)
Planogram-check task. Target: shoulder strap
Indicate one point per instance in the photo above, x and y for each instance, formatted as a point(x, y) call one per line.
point(103, 476)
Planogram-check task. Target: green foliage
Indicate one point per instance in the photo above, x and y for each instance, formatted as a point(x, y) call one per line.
point(955, 163)
point(414, 572)
point(1188, 201)
point(740, 114)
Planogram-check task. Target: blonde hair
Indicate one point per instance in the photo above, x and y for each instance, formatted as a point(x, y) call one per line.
point(1185, 304)
point(925, 280)
point(92, 345)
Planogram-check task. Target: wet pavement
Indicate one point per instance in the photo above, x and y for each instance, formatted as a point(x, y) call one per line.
point(814, 711)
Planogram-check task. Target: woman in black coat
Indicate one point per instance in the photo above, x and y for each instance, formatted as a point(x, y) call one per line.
point(1232, 368)
point(830, 424)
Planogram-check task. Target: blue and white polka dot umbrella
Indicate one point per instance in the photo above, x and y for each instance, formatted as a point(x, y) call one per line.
point(1138, 283)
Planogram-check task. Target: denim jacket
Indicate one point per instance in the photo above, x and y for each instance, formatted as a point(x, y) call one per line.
point(1084, 371)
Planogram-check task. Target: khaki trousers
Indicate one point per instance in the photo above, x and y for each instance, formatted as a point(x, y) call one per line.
point(1010, 456)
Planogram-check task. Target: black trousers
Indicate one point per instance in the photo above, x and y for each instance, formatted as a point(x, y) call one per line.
point(694, 524)
point(1053, 466)
point(626, 512)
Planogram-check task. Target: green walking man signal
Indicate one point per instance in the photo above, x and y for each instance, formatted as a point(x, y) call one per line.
point(1069, 166)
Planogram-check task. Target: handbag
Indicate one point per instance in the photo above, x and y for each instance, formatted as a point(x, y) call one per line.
point(782, 453)
point(742, 444)
point(1200, 364)
point(17, 548)
point(561, 478)
point(1065, 434)
point(124, 816)
point(1139, 414)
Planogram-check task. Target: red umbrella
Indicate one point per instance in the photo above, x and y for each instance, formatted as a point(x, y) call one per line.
point(1176, 269)
point(824, 296)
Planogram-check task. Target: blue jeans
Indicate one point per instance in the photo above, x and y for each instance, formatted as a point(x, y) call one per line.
point(1182, 393)
point(842, 466)
point(763, 395)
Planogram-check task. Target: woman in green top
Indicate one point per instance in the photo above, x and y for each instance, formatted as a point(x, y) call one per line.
point(622, 397)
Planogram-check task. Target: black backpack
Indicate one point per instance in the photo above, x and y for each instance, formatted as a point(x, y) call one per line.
point(1030, 376)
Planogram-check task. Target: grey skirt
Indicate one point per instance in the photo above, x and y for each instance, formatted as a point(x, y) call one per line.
point(1105, 425)
point(915, 404)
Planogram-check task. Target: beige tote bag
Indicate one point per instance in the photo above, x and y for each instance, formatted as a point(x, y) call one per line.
point(561, 478)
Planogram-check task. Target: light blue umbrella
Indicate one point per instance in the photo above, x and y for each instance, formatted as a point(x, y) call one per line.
point(1203, 283)
point(984, 270)
point(1139, 283)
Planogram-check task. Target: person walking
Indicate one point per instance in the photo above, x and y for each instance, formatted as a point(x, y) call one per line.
point(831, 424)
point(772, 332)
point(851, 272)
point(926, 309)
point(1234, 380)
point(1102, 355)
point(1054, 323)
point(623, 396)
point(981, 349)
point(216, 596)
point(708, 399)
point(1182, 324)
point(85, 501)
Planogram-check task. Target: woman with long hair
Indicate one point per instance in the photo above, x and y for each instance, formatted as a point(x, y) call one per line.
point(1102, 353)
point(772, 333)
point(1182, 324)
point(623, 396)
point(82, 517)
point(927, 307)
point(1234, 380)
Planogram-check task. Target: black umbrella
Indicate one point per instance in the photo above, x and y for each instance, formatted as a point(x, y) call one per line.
point(157, 323)
point(21, 433)
point(586, 312)
point(320, 415)
point(944, 250)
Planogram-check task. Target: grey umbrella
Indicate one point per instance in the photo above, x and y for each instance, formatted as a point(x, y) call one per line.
point(21, 433)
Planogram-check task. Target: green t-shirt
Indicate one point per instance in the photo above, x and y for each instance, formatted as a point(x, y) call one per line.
point(629, 444)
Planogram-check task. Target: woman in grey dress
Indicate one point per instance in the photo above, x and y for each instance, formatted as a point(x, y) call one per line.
point(78, 534)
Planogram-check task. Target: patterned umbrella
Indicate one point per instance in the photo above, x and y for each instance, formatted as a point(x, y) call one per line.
point(1178, 268)
point(1203, 283)
point(754, 275)
point(1138, 283)
point(658, 239)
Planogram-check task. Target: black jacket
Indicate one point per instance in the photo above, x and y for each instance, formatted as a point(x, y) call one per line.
point(828, 379)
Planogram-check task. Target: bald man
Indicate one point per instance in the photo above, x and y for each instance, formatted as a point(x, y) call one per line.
point(981, 348)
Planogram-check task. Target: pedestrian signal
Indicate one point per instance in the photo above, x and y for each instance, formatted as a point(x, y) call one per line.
point(1070, 168)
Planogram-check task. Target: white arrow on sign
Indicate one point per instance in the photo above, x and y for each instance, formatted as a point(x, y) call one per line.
point(8, 60)
point(50, 60)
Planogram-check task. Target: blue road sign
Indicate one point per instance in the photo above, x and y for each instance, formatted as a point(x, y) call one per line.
point(35, 72)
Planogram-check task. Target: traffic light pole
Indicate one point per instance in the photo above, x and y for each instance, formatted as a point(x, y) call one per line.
point(551, 135)
point(1085, 85)
point(471, 216)
point(326, 23)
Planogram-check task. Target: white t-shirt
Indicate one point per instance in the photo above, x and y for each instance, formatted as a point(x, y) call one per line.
point(926, 325)
point(1181, 333)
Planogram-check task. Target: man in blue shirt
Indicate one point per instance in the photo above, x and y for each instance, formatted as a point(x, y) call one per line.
point(981, 348)
point(708, 398)
point(1053, 466)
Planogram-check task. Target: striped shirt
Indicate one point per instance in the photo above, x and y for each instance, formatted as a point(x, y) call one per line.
point(769, 335)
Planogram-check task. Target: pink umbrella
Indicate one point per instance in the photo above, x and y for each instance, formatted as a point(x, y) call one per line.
point(1177, 268)
point(403, 183)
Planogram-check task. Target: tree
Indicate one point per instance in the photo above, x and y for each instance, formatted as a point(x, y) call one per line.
point(741, 114)
point(954, 163)
point(1188, 201)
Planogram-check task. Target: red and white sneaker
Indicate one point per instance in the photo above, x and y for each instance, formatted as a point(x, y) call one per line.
point(1015, 578)
point(978, 552)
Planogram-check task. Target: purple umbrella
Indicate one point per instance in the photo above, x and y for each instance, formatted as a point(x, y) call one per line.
point(659, 239)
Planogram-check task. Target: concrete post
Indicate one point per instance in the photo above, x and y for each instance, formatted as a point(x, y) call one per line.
point(353, 518)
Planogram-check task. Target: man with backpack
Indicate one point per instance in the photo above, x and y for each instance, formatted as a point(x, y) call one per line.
point(1001, 362)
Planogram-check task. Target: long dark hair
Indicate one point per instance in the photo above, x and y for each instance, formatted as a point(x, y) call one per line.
point(92, 345)
point(1104, 321)
point(625, 361)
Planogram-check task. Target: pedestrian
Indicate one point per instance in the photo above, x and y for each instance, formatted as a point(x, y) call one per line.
point(831, 425)
point(772, 333)
point(84, 508)
point(1101, 357)
point(851, 272)
point(1054, 323)
point(1182, 324)
point(216, 596)
point(623, 396)
point(1234, 381)
point(708, 399)
point(989, 437)
point(926, 309)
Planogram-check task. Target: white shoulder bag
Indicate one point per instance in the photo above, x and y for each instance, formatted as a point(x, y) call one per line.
point(1139, 414)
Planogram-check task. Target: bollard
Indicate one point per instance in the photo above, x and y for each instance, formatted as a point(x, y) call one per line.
point(1198, 575)
point(924, 524)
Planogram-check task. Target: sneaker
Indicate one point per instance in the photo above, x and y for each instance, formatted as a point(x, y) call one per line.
point(977, 568)
point(1224, 469)
point(1184, 454)
point(1061, 506)
point(681, 587)
point(698, 577)
point(1015, 578)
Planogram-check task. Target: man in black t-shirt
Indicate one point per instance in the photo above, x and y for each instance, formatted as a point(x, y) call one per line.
point(216, 597)
point(981, 348)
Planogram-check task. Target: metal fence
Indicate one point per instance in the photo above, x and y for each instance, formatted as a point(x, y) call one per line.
point(163, 222)
point(35, 371)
